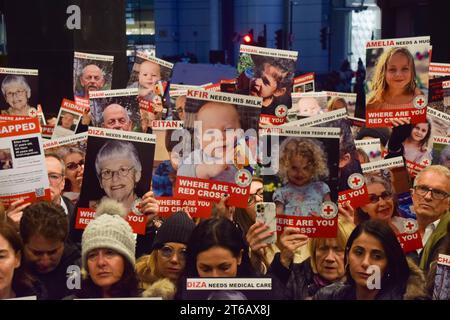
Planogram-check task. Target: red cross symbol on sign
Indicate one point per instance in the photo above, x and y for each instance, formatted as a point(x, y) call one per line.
point(328, 209)
point(356, 180)
point(410, 225)
point(282, 110)
point(420, 102)
point(425, 162)
point(243, 177)
point(32, 113)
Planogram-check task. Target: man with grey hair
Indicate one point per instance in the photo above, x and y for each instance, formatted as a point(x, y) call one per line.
point(116, 117)
point(92, 78)
point(431, 202)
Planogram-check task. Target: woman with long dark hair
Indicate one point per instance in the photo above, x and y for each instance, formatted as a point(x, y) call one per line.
point(217, 249)
point(376, 268)
point(15, 281)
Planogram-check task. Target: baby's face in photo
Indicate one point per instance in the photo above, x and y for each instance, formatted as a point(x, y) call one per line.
point(308, 107)
point(149, 74)
point(218, 119)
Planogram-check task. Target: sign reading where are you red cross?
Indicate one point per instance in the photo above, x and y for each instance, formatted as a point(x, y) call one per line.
point(313, 227)
point(195, 188)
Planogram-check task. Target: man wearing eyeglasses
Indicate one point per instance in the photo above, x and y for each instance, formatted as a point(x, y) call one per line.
point(431, 201)
point(56, 178)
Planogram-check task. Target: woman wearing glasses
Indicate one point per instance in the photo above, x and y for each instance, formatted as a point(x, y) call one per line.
point(119, 170)
point(17, 92)
point(74, 160)
point(159, 271)
point(382, 204)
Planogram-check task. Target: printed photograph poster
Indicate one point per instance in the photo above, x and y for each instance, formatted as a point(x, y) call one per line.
point(47, 131)
point(117, 109)
point(441, 151)
point(446, 96)
point(151, 76)
point(441, 289)
point(397, 80)
point(167, 159)
point(91, 72)
point(40, 115)
point(304, 83)
point(304, 180)
point(19, 92)
point(177, 103)
point(389, 185)
point(269, 74)
point(23, 172)
point(228, 85)
point(369, 150)
point(311, 104)
point(351, 186)
point(69, 117)
point(438, 69)
point(219, 146)
point(118, 165)
point(72, 150)
point(213, 87)
point(439, 73)
point(307, 104)
point(418, 144)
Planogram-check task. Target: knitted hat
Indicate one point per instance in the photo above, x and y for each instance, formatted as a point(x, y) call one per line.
point(176, 228)
point(109, 230)
point(381, 133)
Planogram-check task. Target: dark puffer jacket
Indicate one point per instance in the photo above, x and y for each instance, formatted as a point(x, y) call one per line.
point(415, 289)
point(300, 281)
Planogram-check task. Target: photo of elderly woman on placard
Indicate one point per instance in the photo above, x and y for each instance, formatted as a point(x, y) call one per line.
point(118, 169)
point(19, 94)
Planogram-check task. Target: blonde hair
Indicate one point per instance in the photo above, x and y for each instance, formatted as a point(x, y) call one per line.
point(331, 104)
point(306, 148)
point(146, 270)
point(379, 84)
point(437, 168)
point(345, 228)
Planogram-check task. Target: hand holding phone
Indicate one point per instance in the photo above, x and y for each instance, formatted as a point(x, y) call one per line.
point(266, 213)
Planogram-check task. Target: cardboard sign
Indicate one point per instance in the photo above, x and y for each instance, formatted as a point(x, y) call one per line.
point(23, 172)
point(381, 106)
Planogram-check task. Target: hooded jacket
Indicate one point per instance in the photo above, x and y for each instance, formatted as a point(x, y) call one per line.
point(415, 289)
point(55, 282)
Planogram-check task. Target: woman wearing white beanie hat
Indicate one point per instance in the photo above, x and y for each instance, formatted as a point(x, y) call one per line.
point(108, 254)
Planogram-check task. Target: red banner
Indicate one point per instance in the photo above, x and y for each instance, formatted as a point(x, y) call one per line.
point(356, 198)
point(265, 119)
point(85, 215)
point(410, 241)
point(29, 197)
point(195, 188)
point(196, 208)
point(378, 119)
point(313, 227)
